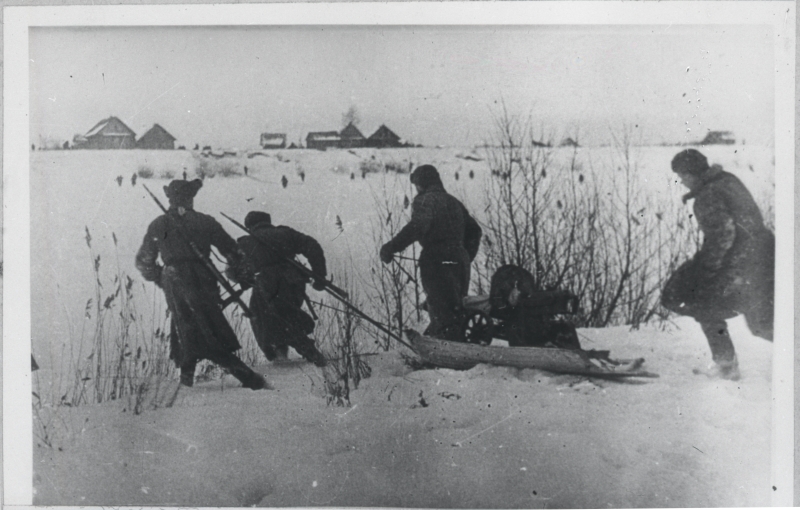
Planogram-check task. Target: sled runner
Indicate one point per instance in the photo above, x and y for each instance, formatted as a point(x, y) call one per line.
point(461, 356)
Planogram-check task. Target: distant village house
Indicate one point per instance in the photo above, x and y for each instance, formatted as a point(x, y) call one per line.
point(110, 133)
point(351, 137)
point(156, 138)
point(383, 137)
point(718, 138)
point(323, 140)
point(273, 140)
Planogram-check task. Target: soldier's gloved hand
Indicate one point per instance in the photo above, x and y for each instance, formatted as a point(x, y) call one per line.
point(386, 254)
point(318, 285)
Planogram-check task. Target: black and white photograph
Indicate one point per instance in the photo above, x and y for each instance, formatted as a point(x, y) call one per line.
point(518, 255)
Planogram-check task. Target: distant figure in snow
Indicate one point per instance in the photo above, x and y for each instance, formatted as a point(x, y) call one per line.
point(119, 180)
point(284, 181)
point(734, 271)
point(450, 239)
point(198, 328)
point(184, 175)
point(133, 180)
point(245, 170)
point(279, 288)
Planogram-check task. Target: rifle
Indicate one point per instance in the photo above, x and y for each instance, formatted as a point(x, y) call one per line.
point(332, 289)
point(209, 265)
point(329, 285)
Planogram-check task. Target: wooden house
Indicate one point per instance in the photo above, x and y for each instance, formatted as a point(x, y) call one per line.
point(156, 138)
point(110, 133)
point(384, 137)
point(273, 140)
point(351, 137)
point(323, 140)
point(718, 138)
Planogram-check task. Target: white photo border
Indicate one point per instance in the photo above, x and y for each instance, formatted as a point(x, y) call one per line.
point(781, 15)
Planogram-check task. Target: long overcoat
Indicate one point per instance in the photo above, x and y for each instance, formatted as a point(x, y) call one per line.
point(734, 270)
point(199, 329)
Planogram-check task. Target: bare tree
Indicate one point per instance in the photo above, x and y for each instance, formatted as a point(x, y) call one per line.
point(351, 116)
point(594, 232)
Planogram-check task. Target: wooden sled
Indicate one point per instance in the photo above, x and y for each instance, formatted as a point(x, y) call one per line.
point(462, 356)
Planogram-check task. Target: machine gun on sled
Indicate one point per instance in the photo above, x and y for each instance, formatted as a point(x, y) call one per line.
point(531, 321)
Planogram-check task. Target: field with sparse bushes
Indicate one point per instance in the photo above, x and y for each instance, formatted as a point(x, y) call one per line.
point(606, 223)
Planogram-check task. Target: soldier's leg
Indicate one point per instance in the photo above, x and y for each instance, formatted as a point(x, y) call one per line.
point(722, 351)
point(298, 326)
point(442, 284)
point(263, 325)
point(187, 373)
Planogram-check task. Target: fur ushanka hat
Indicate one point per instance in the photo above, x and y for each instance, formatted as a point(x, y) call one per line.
point(254, 218)
point(180, 190)
point(689, 161)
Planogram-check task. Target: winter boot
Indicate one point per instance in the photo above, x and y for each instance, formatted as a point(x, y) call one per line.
point(310, 352)
point(728, 370)
point(250, 379)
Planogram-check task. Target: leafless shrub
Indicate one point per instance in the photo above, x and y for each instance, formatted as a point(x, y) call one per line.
point(342, 328)
point(145, 172)
point(370, 166)
point(395, 289)
point(125, 349)
point(591, 231)
point(207, 168)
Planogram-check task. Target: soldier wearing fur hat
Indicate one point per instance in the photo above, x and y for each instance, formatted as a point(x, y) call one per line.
point(279, 288)
point(198, 329)
point(450, 239)
point(734, 271)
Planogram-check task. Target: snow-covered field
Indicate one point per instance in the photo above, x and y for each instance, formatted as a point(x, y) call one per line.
point(488, 437)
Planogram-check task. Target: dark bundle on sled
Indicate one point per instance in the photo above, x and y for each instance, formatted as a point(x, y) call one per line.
point(532, 322)
point(518, 312)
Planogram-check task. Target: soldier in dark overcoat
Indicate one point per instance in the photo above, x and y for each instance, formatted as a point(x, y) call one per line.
point(450, 239)
point(198, 327)
point(734, 271)
point(279, 287)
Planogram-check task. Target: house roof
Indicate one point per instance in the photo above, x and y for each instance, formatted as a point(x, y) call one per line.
point(158, 131)
point(323, 135)
point(350, 131)
point(111, 126)
point(383, 133)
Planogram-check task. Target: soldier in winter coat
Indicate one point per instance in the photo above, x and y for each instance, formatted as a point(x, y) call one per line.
point(734, 271)
point(199, 329)
point(450, 239)
point(278, 320)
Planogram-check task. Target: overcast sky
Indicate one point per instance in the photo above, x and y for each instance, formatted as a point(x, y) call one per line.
point(431, 85)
